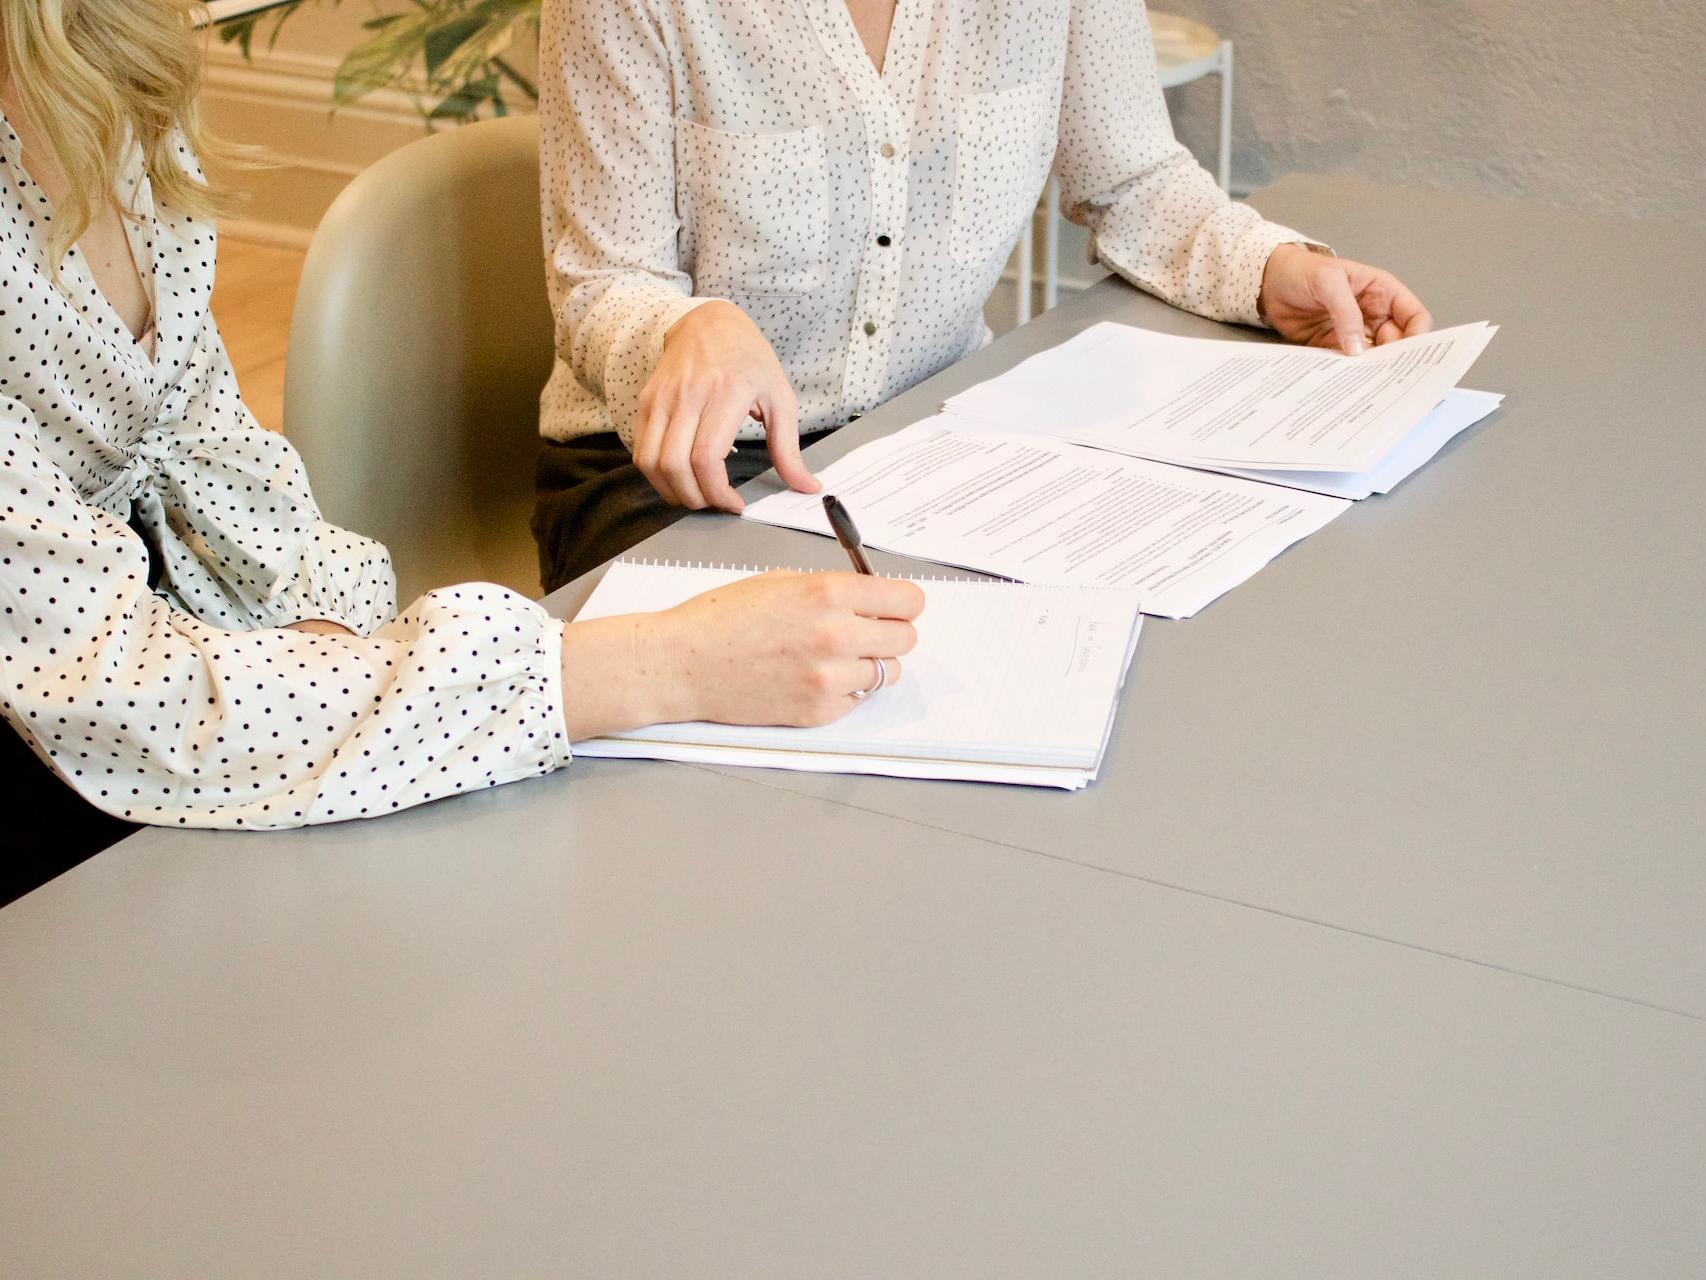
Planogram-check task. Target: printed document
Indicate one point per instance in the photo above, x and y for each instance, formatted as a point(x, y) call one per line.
point(1460, 410)
point(1036, 509)
point(1216, 403)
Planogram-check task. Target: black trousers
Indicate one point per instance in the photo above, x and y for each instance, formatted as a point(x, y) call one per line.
point(591, 503)
point(66, 828)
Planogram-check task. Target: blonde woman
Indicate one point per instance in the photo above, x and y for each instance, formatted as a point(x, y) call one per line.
point(766, 217)
point(183, 640)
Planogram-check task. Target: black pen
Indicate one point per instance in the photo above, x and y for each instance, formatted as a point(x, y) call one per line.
point(846, 533)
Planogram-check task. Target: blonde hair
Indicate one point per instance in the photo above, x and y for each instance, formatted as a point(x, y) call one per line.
point(91, 75)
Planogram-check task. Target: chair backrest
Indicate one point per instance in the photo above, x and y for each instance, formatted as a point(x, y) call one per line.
point(420, 342)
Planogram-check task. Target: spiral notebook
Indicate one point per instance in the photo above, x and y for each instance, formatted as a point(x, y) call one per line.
point(1009, 683)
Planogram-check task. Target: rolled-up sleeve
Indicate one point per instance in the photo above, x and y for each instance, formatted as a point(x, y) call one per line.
point(607, 175)
point(1155, 215)
point(160, 717)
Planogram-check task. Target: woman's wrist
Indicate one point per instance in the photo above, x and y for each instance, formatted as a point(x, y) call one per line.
point(708, 311)
point(1275, 263)
point(623, 672)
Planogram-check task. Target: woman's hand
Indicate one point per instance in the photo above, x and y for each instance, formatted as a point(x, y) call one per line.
point(780, 648)
point(1322, 301)
point(717, 370)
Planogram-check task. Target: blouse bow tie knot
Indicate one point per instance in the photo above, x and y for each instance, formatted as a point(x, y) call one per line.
point(239, 503)
point(133, 479)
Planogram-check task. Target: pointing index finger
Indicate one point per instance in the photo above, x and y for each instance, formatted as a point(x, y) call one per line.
point(782, 431)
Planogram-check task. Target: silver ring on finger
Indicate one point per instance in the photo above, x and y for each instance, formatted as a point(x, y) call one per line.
point(882, 679)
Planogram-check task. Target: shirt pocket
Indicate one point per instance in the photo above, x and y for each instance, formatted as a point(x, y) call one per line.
point(1002, 151)
point(753, 208)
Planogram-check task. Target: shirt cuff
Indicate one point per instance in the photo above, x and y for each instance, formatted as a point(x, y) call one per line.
point(551, 656)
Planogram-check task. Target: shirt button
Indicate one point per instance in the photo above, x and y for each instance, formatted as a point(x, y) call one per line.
point(884, 241)
point(887, 151)
point(870, 327)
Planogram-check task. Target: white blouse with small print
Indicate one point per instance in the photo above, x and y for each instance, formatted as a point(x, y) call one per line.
point(185, 704)
point(749, 150)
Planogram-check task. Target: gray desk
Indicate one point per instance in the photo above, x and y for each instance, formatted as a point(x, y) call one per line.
point(1469, 716)
point(1221, 1015)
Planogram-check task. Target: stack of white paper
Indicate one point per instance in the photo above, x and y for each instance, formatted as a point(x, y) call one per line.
point(1460, 410)
point(1088, 462)
point(1218, 404)
point(1009, 683)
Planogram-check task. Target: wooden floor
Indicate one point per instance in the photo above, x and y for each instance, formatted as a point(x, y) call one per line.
point(253, 294)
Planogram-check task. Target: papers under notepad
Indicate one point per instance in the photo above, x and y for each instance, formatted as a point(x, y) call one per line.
point(1009, 683)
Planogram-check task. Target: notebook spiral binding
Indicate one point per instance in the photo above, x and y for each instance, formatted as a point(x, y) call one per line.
point(721, 566)
point(983, 581)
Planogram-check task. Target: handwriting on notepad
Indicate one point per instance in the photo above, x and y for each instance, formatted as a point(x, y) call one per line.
point(1008, 683)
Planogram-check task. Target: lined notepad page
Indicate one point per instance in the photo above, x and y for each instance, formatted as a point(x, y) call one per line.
point(1005, 675)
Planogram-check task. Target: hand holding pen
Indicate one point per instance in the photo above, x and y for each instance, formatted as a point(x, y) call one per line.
point(847, 534)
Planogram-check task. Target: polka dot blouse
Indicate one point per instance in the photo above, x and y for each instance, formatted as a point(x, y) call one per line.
point(184, 704)
point(750, 150)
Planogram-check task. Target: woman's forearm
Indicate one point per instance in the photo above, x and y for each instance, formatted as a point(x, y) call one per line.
point(618, 674)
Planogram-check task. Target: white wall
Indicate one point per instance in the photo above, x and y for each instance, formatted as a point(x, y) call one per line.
point(1596, 104)
point(1600, 105)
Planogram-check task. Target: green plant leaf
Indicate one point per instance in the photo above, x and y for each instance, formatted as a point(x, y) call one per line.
point(240, 33)
point(464, 103)
point(520, 81)
point(450, 50)
point(278, 17)
point(381, 60)
point(444, 39)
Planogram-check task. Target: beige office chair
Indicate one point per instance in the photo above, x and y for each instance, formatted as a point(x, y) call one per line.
point(420, 342)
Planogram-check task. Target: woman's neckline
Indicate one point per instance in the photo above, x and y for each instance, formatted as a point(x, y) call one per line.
point(144, 341)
